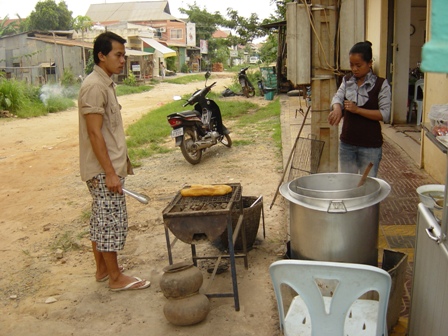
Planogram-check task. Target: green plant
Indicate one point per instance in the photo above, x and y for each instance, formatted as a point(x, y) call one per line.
point(66, 242)
point(12, 94)
point(5, 102)
point(85, 215)
point(68, 78)
point(171, 63)
point(130, 80)
point(186, 79)
point(56, 104)
point(184, 68)
point(125, 89)
point(90, 63)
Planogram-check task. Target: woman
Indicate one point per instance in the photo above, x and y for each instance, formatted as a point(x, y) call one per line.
point(363, 100)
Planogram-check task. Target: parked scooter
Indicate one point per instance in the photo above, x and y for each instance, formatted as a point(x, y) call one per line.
point(246, 86)
point(196, 130)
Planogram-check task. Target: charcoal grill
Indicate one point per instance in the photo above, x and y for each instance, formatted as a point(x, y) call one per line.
point(195, 220)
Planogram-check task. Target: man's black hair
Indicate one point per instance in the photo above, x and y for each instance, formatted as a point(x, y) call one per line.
point(103, 44)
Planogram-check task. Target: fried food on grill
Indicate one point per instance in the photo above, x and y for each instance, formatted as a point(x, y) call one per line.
point(206, 190)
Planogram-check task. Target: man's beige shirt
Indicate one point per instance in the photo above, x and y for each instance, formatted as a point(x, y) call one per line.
point(97, 95)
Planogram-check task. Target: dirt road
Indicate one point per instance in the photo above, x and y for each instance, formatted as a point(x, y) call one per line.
point(44, 204)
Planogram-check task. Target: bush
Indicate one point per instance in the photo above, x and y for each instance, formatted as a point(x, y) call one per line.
point(56, 104)
point(184, 68)
point(130, 80)
point(11, 94)
point(68, 78)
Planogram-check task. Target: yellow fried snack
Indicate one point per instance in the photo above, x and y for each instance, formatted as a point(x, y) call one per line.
point(206, 190)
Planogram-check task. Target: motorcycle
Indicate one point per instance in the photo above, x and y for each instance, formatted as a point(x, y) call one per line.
point(246, 86)
point(196, 130)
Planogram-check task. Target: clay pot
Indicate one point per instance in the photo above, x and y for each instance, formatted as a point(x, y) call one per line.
point(187, 311)
point(180, 283)
point(180, 280)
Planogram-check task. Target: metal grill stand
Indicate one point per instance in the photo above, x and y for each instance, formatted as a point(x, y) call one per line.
point(191, 219)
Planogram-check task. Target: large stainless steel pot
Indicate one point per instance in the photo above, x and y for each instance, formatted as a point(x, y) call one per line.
point(332, 186)
point(336, 229)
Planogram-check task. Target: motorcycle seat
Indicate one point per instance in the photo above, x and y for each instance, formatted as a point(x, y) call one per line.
point(187, 114)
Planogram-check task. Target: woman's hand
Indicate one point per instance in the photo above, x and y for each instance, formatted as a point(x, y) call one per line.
point(350, 106)
point(335, 115)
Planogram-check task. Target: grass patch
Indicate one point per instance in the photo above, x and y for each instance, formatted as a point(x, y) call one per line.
point(123, 90)
point(241, 142)
point(31, 109)
point(185, 79)
point(147, 136)
point(265, 120)
point(57, 104)
point(68, 241)
point(85, 215)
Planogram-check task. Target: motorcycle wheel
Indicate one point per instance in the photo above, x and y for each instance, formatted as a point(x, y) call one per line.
point(186, 146)
point(246, 92)
point(226, 141)
point(251, 92)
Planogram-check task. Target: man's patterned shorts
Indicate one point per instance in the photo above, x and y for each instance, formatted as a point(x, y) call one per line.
point(109, 219)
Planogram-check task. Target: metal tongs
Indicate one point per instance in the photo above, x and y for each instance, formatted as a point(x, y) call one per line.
point(139, 197)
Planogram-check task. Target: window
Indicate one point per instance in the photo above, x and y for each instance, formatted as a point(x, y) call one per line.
point(176, 34)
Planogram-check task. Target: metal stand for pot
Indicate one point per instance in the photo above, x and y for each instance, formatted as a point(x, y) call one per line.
point(186, 225)
point(231, 236)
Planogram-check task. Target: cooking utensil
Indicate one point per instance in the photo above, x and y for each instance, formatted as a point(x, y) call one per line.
point(262, 212)
point(364, 176)
point(139, 197)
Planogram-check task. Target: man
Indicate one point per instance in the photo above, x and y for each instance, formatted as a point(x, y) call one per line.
point(162, 70)
point(104, 162)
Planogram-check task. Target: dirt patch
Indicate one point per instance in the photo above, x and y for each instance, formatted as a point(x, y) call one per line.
point(45, 205)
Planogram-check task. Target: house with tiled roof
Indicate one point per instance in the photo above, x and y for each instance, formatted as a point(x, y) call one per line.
point(167, 40)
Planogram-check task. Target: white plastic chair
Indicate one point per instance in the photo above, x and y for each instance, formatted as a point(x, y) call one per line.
point(419, 84)
point(343, 313)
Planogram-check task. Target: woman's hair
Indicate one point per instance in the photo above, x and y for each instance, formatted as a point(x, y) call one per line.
point(103, 44)
point(363, 48)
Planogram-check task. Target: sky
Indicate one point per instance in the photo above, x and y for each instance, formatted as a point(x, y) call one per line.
point(79, 7)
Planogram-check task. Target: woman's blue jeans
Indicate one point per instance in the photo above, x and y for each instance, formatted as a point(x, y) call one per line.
point(354, 159)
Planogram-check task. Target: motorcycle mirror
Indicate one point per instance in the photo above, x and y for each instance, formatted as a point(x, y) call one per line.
point(207, 75)
point(177, 98)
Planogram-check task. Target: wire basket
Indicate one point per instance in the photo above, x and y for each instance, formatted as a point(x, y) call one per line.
point(306, 159)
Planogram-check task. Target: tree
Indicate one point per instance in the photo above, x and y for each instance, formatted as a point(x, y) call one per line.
point(8, 28)
point(83, 24)
point(206, 23)
point(51, 16)
point(247, 29)
point(269, 49)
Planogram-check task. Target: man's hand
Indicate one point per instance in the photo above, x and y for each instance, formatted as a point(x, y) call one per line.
point(113, 183)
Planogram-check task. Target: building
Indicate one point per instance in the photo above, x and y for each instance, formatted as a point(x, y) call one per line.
point(41, 57)
point(397, 29)
point(167, 38)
